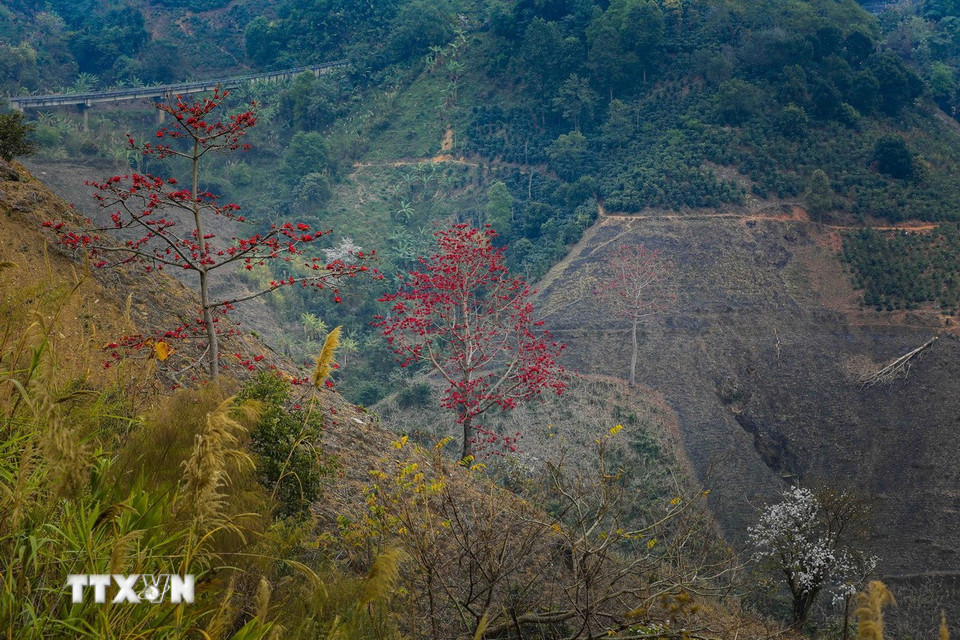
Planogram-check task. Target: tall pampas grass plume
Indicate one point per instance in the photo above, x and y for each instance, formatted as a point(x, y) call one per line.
point(263, 599)
point(383, 576)
point(207, 471)
point(327, 359)
point(67, 454)
point(869, 611)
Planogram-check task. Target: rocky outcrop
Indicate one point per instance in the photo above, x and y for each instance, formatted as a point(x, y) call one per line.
point(8, 172)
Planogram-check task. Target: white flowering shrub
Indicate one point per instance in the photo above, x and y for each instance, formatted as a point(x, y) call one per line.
point(345, 251)
point(797, 539)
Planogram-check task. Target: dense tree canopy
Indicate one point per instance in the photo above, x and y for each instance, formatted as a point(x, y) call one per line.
point(642, 105)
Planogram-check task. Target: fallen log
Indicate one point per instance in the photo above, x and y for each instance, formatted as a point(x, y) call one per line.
point(900, 367)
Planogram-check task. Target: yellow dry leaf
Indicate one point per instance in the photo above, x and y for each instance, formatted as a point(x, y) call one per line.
point(162, 350)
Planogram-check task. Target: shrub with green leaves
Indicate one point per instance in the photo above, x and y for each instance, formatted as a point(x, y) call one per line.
point(415, 396)
point(893, 158)
point(286, 440)
point(14, 136)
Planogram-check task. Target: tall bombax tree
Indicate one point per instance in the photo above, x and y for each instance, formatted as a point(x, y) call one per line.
point(163, 225)
point(634, 284)
point(472, 323)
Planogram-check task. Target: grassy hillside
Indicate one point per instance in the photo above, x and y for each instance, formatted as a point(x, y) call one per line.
point(298, 514)
point(649, 447)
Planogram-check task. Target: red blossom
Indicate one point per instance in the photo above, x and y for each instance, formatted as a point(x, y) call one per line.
point(158, 223)
point(472, 322)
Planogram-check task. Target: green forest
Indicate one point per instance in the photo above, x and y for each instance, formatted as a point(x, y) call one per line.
point(557, 105)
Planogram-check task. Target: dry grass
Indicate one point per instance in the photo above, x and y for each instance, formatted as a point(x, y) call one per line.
point(120, 478)
point(47, 292)
point(869, 613)
point(326, 360)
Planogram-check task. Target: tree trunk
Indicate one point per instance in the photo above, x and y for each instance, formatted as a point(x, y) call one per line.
point(467, 449)
point(846, 617)
point(801, 607)
point(633, 357)
point(212, 338)
point(433, 608)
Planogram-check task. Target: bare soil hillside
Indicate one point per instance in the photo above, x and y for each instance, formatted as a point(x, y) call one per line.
point(66, 179)
point(761, 357)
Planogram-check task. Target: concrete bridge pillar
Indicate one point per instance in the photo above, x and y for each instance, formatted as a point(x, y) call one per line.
point(84, 109)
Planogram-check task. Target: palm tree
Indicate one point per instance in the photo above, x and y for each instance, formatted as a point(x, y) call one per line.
point(84, 83)
point(404, 213)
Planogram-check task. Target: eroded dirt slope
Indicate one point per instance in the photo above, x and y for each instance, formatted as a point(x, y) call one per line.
point(761, 358)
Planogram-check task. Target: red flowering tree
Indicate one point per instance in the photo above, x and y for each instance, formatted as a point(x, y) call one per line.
point(635, 286)
point(466, 317)
point(169, 226)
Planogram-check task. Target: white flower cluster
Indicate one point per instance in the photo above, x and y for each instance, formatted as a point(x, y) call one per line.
point(848, 583)
point(791, 536)
point(343, 251)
